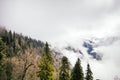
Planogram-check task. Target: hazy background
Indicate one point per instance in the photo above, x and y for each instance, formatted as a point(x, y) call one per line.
point(53, 20)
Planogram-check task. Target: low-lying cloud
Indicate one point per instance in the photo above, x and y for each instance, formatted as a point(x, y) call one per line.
point(105, 69)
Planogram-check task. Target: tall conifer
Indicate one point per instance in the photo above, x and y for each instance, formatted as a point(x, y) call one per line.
point(89, 73)
point(64, 69)
point(46, 68)
point(77, 72)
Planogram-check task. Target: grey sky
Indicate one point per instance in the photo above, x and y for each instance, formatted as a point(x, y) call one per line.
point(67, 20)
point(52, 20)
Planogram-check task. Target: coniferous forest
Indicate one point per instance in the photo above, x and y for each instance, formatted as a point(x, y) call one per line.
point(24, 58)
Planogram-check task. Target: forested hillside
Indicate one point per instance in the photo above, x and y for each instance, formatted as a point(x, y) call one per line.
point(24, 58)
point(17, 43)
point(21, 56)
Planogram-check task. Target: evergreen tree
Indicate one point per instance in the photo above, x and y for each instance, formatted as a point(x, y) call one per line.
point(2, 56)
point(46, 68)
point(64, 69)
point(47, 52)
point(10, 36)
point(9, 69)
point(89, 73)
point(77, 72)
point(2, 50)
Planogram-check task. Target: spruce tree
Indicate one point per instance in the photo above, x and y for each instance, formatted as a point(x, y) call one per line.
point(46, 68)
point(47, 52)
point(64, 73)
point(89, 73)
point(77, 72)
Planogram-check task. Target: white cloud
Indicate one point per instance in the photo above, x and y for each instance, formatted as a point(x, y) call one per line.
point(67, 21)
point(110, 63)
point(106, 69)
point(59, 18)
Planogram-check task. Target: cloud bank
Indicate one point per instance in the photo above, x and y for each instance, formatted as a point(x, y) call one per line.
point(57, 19)
point(105, 69)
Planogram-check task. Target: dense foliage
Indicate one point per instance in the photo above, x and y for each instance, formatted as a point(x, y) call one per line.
point(77, 72)
point(89, 74)
point(46, 68)
point(64, 69)
point(2, 56)
point(16, 42)
point(18, 54)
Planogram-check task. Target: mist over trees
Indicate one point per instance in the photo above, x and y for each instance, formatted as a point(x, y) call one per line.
point(24, 58)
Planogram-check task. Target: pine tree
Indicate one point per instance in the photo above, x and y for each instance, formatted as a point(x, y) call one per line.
point(89, 73)
point(64, 69)
point(46, 68)
point(77, 72)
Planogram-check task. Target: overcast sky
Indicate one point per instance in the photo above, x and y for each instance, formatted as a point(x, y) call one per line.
point(68, 20)
point(54, 20)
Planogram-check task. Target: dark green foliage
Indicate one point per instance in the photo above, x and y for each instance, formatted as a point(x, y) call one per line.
point(47, 52)
point(46, 49)
point(9, 69)
point(2, 56)
point(64, 69)
point(10, 37)
point(77, 72)
point(2, 50)
point(46, 68)
point(17, 43)
point(89, 74)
